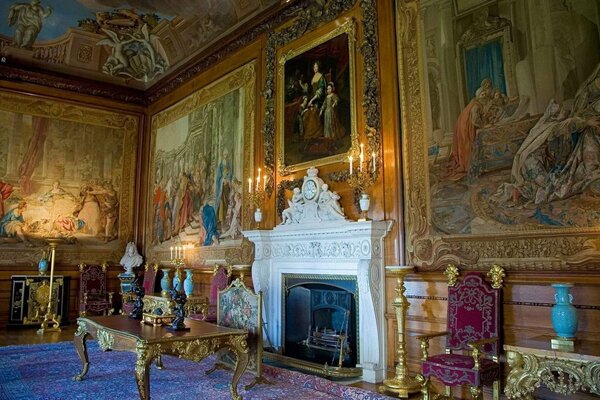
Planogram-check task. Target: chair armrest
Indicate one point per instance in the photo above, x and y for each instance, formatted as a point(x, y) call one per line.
point(424, 339)
point(476, 346)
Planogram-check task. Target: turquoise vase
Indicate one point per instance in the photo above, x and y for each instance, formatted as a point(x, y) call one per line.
point(564, 314)
point(188, 283)
point(165, 282)
point(176, 285)
point(43, 266)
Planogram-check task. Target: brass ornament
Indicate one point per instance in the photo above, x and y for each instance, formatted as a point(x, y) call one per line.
point(105, 339)
point(496, 274)
point(451, 273)
point(561, 375)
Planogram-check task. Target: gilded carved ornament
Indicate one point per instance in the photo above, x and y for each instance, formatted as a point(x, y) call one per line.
point(451, 273)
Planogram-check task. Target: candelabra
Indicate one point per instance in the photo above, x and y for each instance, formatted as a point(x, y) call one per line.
point(402, 384)
point(51, 322)
point(362, 178)
point(178, 262)
point(257, 194)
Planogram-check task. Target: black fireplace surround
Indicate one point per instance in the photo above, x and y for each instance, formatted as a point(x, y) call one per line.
point(319, 308)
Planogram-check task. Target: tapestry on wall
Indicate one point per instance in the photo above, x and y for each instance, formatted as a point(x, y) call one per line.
point(511, 133)
point(202, 154)
point(66, 172)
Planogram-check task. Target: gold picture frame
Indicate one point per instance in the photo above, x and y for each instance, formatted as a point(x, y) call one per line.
point(214, 128)
point(329, 125)
point(528, 244)
point(74, 181)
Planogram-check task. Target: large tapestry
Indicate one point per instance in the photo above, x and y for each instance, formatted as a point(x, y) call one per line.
point(507, 162)
point(202, 154)
point(66, 172)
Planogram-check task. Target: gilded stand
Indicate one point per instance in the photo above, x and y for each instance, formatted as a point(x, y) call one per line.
point(51, 322)
point(402, 384)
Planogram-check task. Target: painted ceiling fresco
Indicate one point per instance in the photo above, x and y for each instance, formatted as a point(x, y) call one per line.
point(127, 42)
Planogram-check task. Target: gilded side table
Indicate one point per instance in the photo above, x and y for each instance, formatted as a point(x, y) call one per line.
point(119, 332)
point(534, 363)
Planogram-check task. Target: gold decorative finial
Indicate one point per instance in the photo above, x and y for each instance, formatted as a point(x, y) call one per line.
point(451, 274)
point(496, 275)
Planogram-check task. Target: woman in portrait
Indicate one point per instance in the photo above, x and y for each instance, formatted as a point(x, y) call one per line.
point(311, 117)
point(332, 127)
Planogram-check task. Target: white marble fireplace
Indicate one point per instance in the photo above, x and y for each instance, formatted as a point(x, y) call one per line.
point(342, 248)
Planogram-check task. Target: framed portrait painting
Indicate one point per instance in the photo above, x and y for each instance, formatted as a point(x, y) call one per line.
point(67, 173)
point(500, 148)
point(316, 100)
point(202, 153)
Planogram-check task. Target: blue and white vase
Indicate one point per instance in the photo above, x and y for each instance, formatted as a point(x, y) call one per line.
point(43, 266)
point(564, 314)
point(188, 283)
point(165, 282)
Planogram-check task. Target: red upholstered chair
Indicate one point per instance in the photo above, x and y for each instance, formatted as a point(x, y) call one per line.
point(473, 335)
point(220, 280)
point(93, 296)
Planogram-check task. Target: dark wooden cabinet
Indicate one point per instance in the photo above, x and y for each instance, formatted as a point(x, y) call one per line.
point(29, 299)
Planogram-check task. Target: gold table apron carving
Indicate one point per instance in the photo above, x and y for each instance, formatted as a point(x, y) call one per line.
point(119, 332)
point(534, 363)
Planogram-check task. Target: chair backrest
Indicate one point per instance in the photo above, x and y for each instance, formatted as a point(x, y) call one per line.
point(474, 313)
point(239, 307)
point(150, 272)
point(92, 279)
point(220, 280)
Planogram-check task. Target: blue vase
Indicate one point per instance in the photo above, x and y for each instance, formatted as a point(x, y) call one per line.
point(188, 284)
point(43, 266)
point(176, 285)
point(165, 282)
point(564, 314)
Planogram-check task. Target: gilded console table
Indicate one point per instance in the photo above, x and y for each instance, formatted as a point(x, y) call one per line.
point(534, 363)
point(119, 332)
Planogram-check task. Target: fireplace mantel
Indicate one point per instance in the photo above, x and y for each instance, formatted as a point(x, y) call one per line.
point(327, 248)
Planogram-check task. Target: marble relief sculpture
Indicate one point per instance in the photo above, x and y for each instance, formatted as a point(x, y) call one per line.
point(313, 202)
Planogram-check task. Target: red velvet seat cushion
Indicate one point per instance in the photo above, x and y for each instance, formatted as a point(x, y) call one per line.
point(457, 369)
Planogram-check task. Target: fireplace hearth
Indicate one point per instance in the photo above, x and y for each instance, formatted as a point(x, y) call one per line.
point(320, 319)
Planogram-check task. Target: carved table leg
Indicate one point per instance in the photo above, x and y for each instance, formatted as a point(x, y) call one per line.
point(80, 341)
point(522, 380)
point(142, 370)
point(240, 347)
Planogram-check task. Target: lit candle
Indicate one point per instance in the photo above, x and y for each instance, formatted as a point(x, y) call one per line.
point(350, 162)
point(374, 161)
point(258, 183)
point(249, 185)
point(182, 251)
point(171, 252)
point(361, 157)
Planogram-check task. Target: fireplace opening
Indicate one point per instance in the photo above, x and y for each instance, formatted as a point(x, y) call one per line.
point(320, 320)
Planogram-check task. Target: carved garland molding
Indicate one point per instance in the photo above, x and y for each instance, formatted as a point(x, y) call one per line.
point(333, 249)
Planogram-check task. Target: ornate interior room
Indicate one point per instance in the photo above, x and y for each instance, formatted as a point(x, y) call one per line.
point(312, 199)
